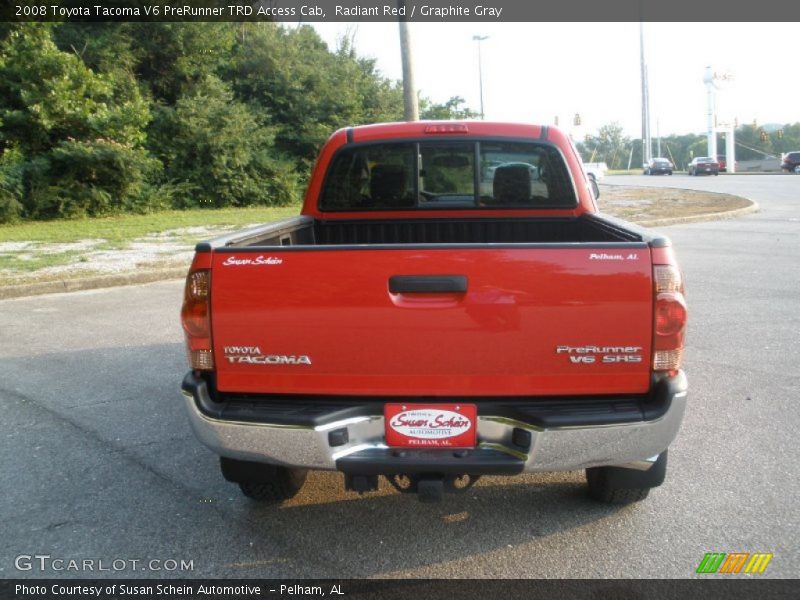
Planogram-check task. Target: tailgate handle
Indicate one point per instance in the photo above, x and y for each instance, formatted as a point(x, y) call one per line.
point(428, 284)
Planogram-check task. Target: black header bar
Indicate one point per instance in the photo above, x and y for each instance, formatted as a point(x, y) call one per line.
point(432, 11)
point(733, 588)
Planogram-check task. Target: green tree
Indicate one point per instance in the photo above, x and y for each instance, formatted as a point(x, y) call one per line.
point(79, 133)
point(103, 117)
point(11, 189)
point(102, 47)
point(170, 57)
point(451, 109)
point(306, 90)
point(47, 96)
point(609, 145)
point(217, 148)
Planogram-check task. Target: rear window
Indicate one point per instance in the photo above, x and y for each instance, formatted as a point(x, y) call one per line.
point(445, 174)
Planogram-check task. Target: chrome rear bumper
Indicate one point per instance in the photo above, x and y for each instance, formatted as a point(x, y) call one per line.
point(561, 448)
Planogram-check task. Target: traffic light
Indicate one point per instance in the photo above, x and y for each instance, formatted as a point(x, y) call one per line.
point(780, 134)
point(577, 120)
point(763, 135)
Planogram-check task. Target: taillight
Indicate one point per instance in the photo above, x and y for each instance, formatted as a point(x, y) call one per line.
point(196, 320)
point(669, 321)
point(447, 128)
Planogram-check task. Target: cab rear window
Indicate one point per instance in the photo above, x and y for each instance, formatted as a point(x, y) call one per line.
point(447, 174)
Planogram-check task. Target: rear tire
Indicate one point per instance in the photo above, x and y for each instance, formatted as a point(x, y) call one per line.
point(619, 485)
point(262, 482)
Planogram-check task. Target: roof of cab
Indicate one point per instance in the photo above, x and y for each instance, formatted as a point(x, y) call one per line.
point(450, 129)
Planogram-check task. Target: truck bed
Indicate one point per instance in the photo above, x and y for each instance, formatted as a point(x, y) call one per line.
point(307, 231)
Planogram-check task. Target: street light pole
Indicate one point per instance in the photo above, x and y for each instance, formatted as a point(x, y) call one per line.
point(479, 39)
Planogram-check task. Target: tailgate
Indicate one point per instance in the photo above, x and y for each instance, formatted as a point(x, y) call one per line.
point(531, 321)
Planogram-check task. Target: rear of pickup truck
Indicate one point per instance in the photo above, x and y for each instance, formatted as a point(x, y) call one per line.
point(449, 304)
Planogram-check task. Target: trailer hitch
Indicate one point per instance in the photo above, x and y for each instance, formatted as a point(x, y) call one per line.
point(431, 486)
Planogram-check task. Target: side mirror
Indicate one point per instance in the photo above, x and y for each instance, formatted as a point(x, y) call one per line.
point(595, 187)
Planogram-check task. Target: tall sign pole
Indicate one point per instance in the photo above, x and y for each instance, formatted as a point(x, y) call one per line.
point(410, 101)
point(647, 146)
point(717, 83)
point(711, 117)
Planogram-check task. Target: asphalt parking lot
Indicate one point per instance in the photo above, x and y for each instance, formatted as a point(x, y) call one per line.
point(97, 459)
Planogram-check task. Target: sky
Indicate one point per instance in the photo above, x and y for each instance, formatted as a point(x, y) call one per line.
point(534, 72)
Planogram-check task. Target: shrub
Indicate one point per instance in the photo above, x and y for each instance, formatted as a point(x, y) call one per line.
point(217, 148)
point(87, 178)
point(11, 166)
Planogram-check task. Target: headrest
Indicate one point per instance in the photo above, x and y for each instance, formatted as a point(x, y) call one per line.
point(387, 184)
point(512, 184)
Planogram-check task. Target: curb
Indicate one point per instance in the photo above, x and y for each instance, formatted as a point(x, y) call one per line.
point(718, 216)
point(91, 283)
point(139, 277)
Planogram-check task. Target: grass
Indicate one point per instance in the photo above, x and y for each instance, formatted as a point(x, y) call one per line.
point(642, 205)
point(119, 230)
point(34, 261)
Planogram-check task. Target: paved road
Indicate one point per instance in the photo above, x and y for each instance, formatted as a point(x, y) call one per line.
point(97, 459)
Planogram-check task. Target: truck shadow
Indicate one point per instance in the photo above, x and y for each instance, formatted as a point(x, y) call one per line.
point(387, 533)
point(124, 402)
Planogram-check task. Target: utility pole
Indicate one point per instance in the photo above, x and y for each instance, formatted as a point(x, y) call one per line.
point(479, 39)
point(410, 101)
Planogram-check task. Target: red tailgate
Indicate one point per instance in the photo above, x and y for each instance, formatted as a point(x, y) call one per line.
point(531, 321)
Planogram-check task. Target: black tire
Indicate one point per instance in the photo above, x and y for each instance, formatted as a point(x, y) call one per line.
point(262, 482)
point(619, 485)
point(284, 487)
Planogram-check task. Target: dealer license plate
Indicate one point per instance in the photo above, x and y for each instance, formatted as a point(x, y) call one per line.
point(431, 425)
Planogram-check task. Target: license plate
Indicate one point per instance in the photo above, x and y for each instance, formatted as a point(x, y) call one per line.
point(431, 425)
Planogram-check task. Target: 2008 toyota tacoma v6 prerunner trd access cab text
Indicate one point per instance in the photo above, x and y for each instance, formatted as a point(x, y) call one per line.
point(449, 304)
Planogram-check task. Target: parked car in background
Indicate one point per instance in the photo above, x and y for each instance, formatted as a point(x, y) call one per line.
point(790, 162)
point(703, 165)
point(658, 166)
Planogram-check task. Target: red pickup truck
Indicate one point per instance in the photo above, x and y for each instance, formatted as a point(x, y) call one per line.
point(449, 304)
